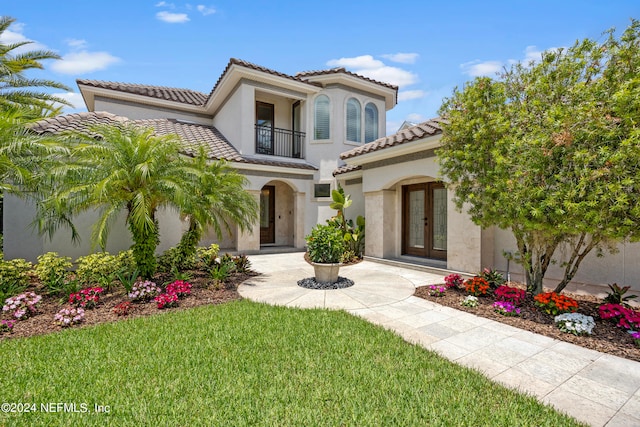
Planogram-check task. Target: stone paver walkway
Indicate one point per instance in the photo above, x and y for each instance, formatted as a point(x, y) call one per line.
point(596, 388)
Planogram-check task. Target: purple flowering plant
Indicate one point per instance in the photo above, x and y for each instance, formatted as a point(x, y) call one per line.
point(69, 316)
point(506, 308)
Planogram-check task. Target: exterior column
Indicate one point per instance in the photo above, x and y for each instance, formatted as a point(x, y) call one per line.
point(249, 241)
point(380, 238)
point(464, 240)
point(299, 220)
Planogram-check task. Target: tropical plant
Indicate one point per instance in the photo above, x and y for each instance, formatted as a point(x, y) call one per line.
point(493, 277)
point(550, 151)
point(15, 88)
point(353, 235)
point(325, 244)
point(617, 294)
point(127, 279)
point(115, 168)
point(221, 272)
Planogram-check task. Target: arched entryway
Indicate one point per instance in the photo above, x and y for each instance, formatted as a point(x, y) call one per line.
point(277, 214)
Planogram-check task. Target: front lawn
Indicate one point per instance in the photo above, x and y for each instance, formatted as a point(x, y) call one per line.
point(244, 363)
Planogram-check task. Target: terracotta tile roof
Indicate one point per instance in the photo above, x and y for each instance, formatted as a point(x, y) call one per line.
point(183, 96)
point(419, 131)
point(193, 135)
point(346, 169)
point(342, 70)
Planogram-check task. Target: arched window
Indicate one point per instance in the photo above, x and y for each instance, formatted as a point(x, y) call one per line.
point(370, 123)
point(354, 120)
point(322, 117)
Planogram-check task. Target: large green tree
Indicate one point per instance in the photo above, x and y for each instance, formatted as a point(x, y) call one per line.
point(551, 151)
point(127, 168)
point(18, 90)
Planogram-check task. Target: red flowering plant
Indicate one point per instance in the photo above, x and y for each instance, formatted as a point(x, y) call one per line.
point(453, 280)
point(626, 317)
point(86, 298)
point(554, 304)
point(166, 300)
point(476, 286)
point(179, 287)
point(510, 294)
point(123, 308)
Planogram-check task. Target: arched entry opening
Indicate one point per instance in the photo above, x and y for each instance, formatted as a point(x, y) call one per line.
point(277, 214)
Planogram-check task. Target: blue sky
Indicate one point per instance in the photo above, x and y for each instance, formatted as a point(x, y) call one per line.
point(426, 48)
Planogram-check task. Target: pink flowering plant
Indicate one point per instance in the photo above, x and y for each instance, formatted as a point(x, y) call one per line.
point(86, 298)
point(511, 294)
point(6, 325)
point(506, 308)
point(179, 287)
point(453, 280)
point(437, 290)
point(22, 306)
point(144, 291)
point(69, 316)
point(636, 337)
point(627, 318)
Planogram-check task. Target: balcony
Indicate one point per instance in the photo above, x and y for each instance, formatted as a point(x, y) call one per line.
point(279, 142)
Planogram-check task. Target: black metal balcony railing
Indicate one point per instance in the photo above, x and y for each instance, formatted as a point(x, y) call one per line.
point(279, 142)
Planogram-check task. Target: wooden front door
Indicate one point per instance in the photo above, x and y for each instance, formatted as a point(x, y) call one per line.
point(267, 215)
point(424, 220)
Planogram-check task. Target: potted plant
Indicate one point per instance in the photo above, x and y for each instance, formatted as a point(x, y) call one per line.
point(325, 247)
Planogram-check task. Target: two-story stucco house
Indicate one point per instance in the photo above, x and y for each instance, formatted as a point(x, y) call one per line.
point(284, 132)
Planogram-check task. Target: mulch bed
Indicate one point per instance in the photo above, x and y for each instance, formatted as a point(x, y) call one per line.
point(204, 291)
point(606, 337)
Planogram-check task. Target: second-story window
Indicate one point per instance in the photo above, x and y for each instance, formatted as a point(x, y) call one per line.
point(322, 118)
point(354, 120)
point(370, 123)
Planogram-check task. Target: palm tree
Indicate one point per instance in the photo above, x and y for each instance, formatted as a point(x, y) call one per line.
point(18, 90)
point(217, 201)
point(124, 167)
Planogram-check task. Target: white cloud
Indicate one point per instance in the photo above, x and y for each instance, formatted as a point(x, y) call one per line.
point(204, 10)
point(84, 62)
point(410, 94)
point(375, 69)
point(77, 43)
point(15, 35)
point(403, 58)
point(165, 4)
point(74, 98)
point(172, 18)
point(477, 68)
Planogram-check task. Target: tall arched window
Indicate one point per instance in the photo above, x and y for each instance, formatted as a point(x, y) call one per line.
point(354, 120)
point(322, 118)
point(370, 123)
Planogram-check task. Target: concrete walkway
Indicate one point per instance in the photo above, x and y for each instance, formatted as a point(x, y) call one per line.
point(596, 388)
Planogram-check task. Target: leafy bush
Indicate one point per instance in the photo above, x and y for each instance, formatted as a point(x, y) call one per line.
point(554, 304)
point(175, 258)
point(99, 268)
point(14, 277)
point(242, 263)
point(325, 244)
point(52, 271)
point(221, 272)
point(207, 257)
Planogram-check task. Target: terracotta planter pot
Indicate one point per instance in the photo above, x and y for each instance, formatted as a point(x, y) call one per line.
point(326, 273)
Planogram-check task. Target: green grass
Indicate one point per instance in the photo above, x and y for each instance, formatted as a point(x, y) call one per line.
point(244, 363)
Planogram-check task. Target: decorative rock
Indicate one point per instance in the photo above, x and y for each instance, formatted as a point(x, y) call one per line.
point(311, 283)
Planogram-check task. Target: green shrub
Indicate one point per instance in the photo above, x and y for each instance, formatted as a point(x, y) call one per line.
point(14, 277)
point(127, 263)
point(99, 268)
point(325, 244)
point(175, 258)
point(52, 271)
point(207, 257)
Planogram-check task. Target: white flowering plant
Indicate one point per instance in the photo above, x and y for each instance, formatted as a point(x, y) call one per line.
point(575, 323)
point(144, 291)
point(469, 301)
point(69, 316)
